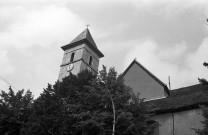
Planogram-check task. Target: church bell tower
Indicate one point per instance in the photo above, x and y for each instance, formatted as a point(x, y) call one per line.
point(80, 54)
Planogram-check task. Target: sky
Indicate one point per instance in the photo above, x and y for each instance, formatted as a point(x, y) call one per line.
point(168, 37)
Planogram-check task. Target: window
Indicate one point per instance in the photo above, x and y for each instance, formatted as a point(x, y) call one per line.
point(72, 57)
point(90, 61)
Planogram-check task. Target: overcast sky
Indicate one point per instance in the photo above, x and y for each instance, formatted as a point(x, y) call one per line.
point(168, 37)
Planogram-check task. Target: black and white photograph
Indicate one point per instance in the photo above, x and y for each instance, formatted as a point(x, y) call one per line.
point(103, 67)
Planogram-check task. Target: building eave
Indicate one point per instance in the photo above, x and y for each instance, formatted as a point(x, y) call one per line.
point(71, 45)
point(182, 99)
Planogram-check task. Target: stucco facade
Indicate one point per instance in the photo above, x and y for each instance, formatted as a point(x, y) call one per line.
point(78, 53)
point(143, 82)
point(82, 53)
point(87, 52)
point(179, 123)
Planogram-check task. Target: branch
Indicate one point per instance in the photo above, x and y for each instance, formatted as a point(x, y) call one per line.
point(205, 64)
point(203, 81)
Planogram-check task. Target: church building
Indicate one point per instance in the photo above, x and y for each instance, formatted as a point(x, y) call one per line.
point(176, 112)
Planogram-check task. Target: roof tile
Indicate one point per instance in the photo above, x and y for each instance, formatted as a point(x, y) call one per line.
point(180, 99)
point(84, 35)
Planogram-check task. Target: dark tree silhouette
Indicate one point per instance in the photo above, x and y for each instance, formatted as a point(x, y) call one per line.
point(204, 130)
point(79, 105)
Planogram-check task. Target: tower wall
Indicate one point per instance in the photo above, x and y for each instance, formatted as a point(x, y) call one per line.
point(82, 53)
point(86, 56)
point(78, 50)
point(78, 54)
point(64, 73)
point(81, 59)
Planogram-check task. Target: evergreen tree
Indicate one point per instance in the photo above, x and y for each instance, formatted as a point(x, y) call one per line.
point(204, 81)
point(15, 109)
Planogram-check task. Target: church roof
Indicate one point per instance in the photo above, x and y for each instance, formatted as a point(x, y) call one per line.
point(148, 72)
point(181, 99)
point(84, 37)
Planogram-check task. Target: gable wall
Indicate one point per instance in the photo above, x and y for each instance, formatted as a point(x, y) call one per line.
point(141, 82)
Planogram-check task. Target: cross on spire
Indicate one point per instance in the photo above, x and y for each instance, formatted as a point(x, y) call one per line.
point(88, 26)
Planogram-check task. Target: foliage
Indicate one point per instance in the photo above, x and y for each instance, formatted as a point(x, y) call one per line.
point(15, 110)
point(204, 130)
point(202, 80)
point(79, 105)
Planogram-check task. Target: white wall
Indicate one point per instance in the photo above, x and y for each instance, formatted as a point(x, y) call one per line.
point(143, 83)
point(183, 121)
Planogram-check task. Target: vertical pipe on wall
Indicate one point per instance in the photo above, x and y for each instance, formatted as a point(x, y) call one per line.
point(173, 123)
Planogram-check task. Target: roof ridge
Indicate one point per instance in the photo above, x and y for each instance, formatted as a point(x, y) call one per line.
point(151, 74)
point(148, 72)
point(188, 87)
point(181, 101)
point(197, 88)
point(85, 35)
point(89, 38)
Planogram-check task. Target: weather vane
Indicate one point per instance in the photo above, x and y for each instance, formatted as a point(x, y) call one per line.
point(88, 26)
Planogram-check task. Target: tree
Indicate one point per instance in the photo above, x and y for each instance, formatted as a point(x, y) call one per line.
point(204, 130)
point(79, 105)
point(204, 81)
point(15, 110)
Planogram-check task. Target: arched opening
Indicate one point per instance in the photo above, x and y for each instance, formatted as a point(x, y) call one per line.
point(90, 61)
point(72, 57)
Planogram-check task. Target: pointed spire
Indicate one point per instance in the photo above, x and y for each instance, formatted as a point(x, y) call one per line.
point(84, 35)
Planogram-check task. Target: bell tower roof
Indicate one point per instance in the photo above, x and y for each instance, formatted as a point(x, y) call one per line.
point(84, 37)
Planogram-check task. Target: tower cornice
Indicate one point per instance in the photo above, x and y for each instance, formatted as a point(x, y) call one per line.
point(71, 45)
